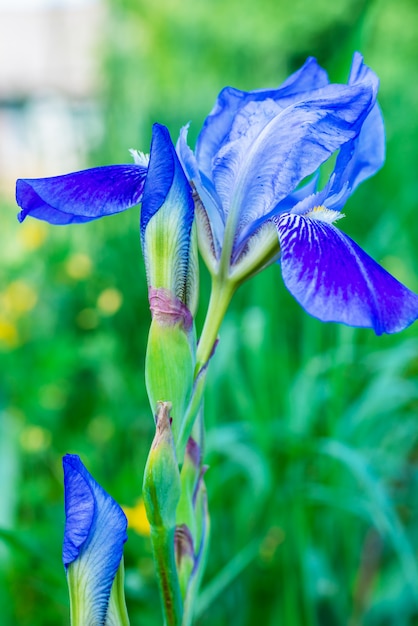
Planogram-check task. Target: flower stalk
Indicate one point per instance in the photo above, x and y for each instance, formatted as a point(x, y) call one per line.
point(220, 298)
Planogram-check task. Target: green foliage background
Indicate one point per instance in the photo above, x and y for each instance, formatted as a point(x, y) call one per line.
point(312, 428)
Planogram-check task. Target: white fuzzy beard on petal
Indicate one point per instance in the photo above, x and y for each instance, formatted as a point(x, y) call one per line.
point(140, 158)
point(322, 214)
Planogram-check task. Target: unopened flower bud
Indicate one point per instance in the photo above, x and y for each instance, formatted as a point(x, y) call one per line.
point(161, 490)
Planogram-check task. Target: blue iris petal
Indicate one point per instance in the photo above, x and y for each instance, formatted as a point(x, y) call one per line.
point(218, 124)
point(81, 196)
point(363, 156)
point(205, 189)
point(335, 280)
point(359, 159)
point(255, 175)
point(95, 531)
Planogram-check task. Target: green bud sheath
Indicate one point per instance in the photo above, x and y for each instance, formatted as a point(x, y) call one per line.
point(170, 359)
point(161, 478)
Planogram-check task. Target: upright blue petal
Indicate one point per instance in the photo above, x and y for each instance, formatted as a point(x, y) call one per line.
point(81, 196)
point(217, 125)
point(210, 203)
point(95, 531)
point(363, 156)
point(255, 172)
point(358, 160)
point(360, 72)
point(334, 280)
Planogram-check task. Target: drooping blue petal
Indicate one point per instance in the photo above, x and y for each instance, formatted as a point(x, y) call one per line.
point(335, 280)
point(252, 175)
point(218, 124)
point(95, 531)
point(81, 196)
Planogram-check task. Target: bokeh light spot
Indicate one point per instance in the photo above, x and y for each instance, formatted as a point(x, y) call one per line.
point(18, 298)
point(35, 439)
point(32, 234)
point(109, 301)
point(78, 266)
point(87, 319)
point(100, 429)
point(9, 337)
point(52, 397)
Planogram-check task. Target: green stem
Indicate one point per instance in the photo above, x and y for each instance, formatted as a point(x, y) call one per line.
point(201, 526)
point(220, 297)
point(192, 411)
point(221, 294)
point(163, 546)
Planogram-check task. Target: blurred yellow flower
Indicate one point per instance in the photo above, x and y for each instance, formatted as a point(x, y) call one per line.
point(137, 518)
point(18, 298)
point(79, 266)
point(32, 234)
point(109, 301)
point(9, 337)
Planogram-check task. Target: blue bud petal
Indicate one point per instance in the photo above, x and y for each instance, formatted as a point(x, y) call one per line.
point(167, 215)
point(336, 281)
point(81, 196)
point(80, 508)
point(95, 531)
point(164, 172)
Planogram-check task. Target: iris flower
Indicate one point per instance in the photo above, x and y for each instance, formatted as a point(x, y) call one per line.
point(95, 532)
point(255, 177)
point(255, 171)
